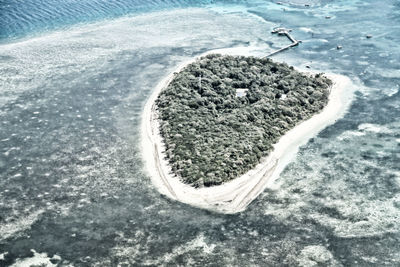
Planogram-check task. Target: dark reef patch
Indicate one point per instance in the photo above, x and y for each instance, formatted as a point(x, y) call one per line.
point(211, 135)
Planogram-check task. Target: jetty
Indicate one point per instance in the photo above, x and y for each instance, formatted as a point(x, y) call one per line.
point(284, 32)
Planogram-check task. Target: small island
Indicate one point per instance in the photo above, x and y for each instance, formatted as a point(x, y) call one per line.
point(222, 126)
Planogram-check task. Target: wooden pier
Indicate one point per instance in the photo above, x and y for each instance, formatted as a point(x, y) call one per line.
point(285, 32)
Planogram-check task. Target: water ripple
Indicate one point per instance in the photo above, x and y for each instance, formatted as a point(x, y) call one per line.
point(19, 19)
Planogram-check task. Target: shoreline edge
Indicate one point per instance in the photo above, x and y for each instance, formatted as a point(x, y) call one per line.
point(235, 195)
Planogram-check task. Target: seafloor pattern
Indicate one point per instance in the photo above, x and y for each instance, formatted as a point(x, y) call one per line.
point(72, 182)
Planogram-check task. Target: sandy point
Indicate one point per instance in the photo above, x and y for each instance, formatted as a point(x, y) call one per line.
point(234, 196)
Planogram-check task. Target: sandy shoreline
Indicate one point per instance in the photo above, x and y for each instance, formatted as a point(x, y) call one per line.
point(234, 196)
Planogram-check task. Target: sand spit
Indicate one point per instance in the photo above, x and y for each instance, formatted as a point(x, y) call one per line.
point(234, 196)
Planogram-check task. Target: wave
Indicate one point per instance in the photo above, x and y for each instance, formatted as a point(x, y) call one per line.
point(21, 19)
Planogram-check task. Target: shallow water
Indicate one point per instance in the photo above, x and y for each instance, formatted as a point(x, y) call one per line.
point(72, 181)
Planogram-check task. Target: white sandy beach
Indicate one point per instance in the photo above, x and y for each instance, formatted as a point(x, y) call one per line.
point(234, 196)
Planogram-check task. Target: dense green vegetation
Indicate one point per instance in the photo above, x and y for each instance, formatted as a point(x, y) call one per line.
point(212, 135)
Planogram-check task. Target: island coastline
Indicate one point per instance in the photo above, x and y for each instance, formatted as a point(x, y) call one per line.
point(235, 195)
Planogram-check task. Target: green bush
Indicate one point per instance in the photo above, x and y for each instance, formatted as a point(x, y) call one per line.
point(211, 135)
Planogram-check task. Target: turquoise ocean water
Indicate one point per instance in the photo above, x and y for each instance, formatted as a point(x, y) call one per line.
point(74, 77)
